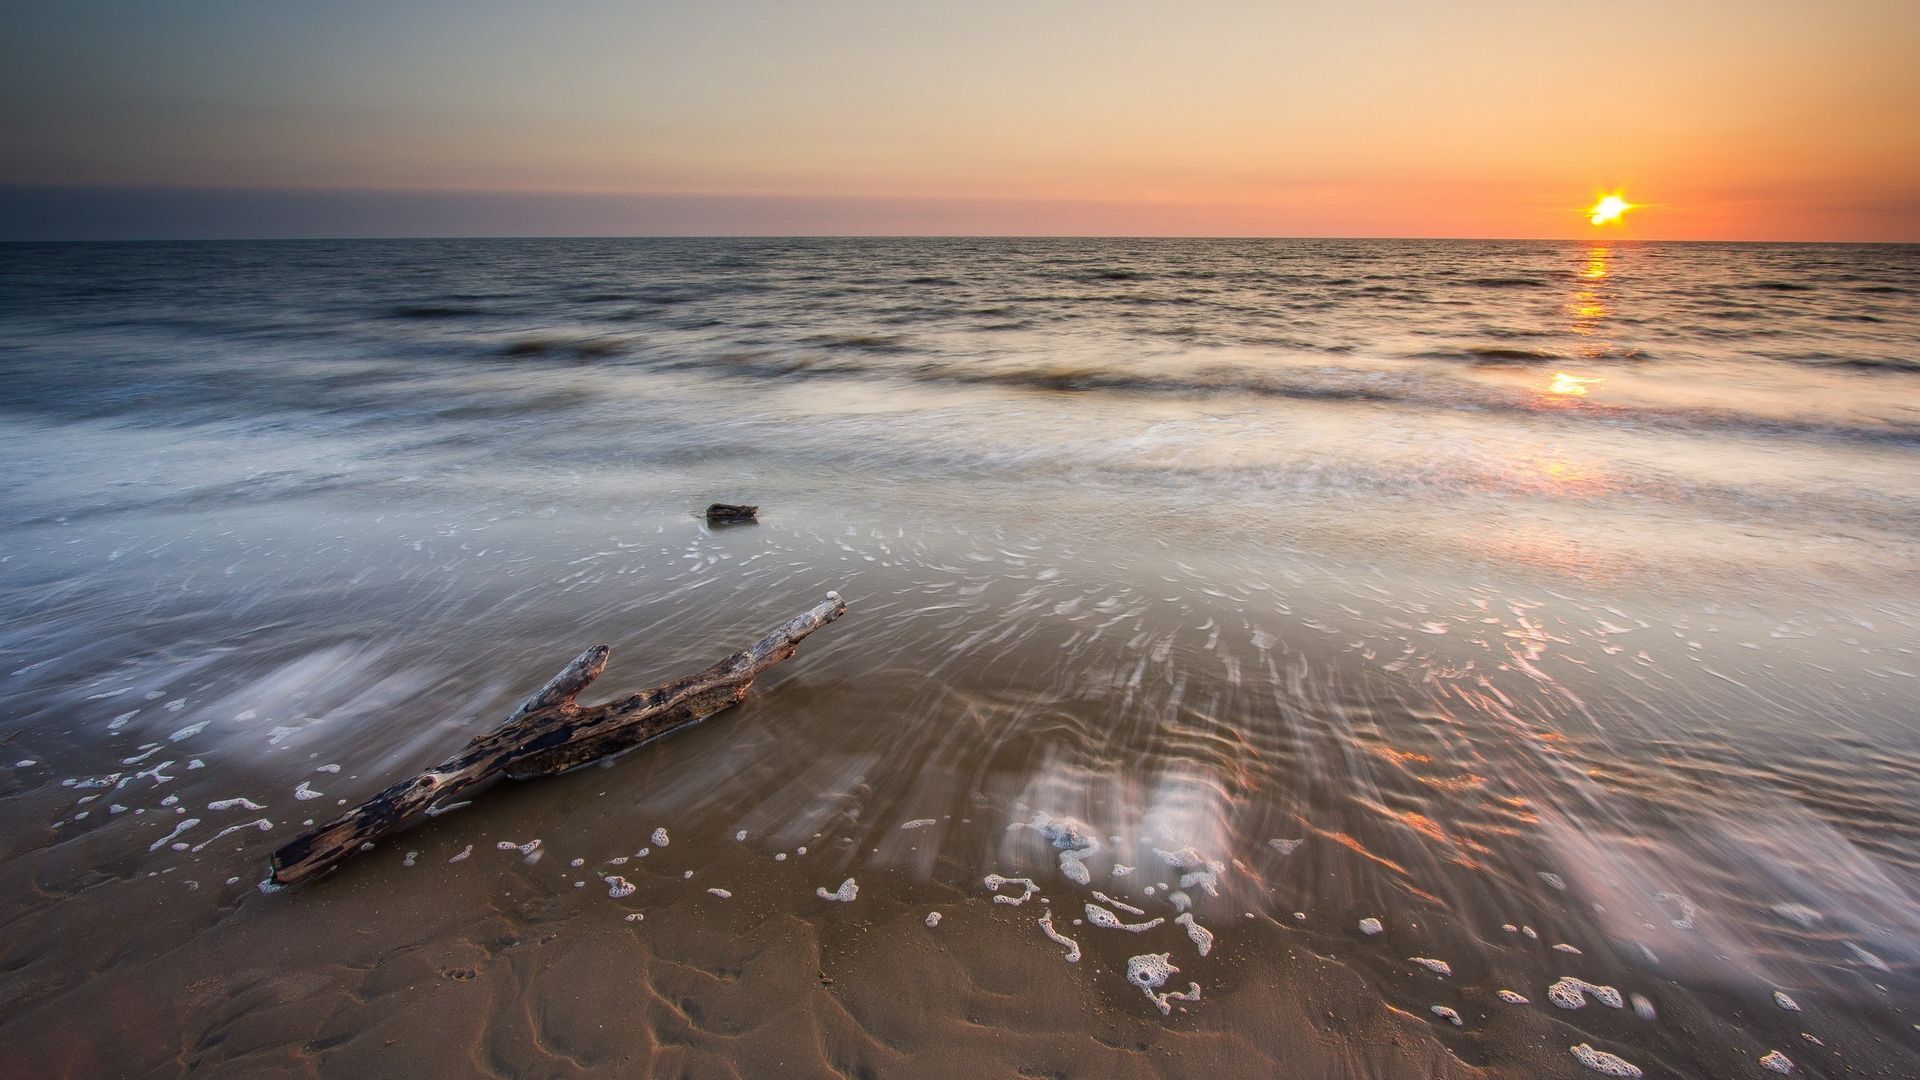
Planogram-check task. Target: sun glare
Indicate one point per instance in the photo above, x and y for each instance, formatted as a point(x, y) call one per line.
point(1608, 210)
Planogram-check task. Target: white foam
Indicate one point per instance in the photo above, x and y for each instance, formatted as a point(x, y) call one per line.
point(1122, 905)
point(845, 894)
point(1566, 948)
point(919, 823)
point(933, 918)
point(305, 791)
point(1438, 967)
point(1073, 947)
point(1201, 936)
point(1602, 1062)
point(1512, 998)
point(1554, 880)
point(618, 887)
point(1371, 926)
point(464, 852)
point(659, 838)
point(1150, 971)
point(1446, 1014)
point(721, 893)
point(1785, 1002)
point(1107, 920)
point(1775, 1061)
point(1286, 847)
point(995, 882)
point(1571, 993)
point(228, 804)
point(177, 830)
point(1121, 871)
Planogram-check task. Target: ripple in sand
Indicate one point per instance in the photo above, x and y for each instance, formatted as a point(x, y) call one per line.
point(1371, 926)
point(1107, 920)
point(1446, 1014)
point(844, 894)
point(1438, 967)
point(1571, 993)
point(1602, 1062)
point(1073, 947)
point(1149, 972)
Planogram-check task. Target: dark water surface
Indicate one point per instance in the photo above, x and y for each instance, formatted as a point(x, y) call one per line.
point(1552, 597)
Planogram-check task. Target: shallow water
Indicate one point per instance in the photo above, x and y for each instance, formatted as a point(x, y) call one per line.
point(1562, 588)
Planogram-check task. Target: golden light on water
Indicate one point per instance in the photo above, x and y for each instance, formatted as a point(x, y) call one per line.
point(1608, 210)
point(1567, 385)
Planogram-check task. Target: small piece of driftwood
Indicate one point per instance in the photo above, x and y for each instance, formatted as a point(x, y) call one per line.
point(551, 734)
point(729, 514)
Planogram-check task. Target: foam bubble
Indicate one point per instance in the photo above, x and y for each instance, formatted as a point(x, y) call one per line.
point(1107, 920)
point(933, 918)
point(1201, 936)
point(1438, 967)
point(177, 830)
point(305, 791)
point(659, 838)
point(228, 804)
point(725, 895)
point(1150, 971)
point(1122, 905)
point(1512, 998)
point(1775, 1061)
point(1571, 993)
point(1286, 847)
point(1785, 1002)
point(1371, 926)
point(1602, 1062)
point(844, 894)
point(919, 823)
point(618, 887)
point(995, 882)
point(464, 852)
point(1073, 947)
point(1566, 948)
point(1446, 1014)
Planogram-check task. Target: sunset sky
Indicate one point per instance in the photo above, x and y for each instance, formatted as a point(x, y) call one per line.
point(1767, 119)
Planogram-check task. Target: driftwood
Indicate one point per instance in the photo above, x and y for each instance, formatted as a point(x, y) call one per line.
point(551, 734)
point(729, 514)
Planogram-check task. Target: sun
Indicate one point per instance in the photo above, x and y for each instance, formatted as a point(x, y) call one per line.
point(1609, 210)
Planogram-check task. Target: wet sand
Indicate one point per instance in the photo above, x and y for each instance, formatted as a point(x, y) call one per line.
point(1579, 705)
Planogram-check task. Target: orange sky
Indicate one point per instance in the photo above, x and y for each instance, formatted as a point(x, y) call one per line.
point(1758, 120)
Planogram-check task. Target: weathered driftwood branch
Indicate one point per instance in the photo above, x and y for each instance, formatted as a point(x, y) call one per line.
point(551, 734)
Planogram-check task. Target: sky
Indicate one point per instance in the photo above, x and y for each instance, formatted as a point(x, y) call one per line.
point(1757, 120)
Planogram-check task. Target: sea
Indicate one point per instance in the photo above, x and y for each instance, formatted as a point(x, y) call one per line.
point(1448, 658)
